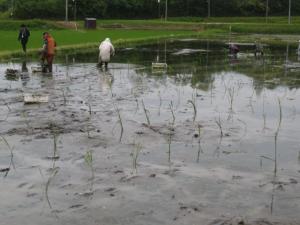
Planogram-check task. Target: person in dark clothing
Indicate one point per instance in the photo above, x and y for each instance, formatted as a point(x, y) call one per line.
point(259, 49)
point(23, 36)
point(233, 49)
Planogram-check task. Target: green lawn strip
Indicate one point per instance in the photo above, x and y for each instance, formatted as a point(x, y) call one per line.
point(260, 20)
point(243, 29)
point(69, 39)
point(244, 25)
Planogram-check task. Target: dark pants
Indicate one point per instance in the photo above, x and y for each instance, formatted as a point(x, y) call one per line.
point(24, 43)
point(50, 62)
point(49, 58)
point(258, 52)
point(105, 64)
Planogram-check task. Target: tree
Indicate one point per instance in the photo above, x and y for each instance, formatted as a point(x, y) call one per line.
point(148, 8)
point(4, 5)
point(91, 8)
point(39, 9)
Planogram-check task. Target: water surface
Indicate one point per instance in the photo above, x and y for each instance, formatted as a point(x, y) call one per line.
point(245, 162)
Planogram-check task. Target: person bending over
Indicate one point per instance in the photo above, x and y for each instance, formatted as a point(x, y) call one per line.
point(106, 50)
point(48, 52)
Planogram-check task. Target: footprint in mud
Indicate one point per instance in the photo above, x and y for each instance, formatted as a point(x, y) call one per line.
point(22, 185)
point(75, 206)
point(293, 181)
point(187, 209)
point(171, 172)
point(128, 178)
point(237, 177)
point(41, 136)
point(112, 191)
point(31, 195)
point(118, 171)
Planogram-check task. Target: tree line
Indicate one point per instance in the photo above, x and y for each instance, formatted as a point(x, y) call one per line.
point(144, 9)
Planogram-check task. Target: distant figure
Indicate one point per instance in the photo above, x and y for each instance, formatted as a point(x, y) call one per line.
point(23, 36)
point(233, 49)
point(48, 52)
point(106, 50)
point(259, 49)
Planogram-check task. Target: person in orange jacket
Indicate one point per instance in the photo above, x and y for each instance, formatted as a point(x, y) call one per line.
point(48, 52)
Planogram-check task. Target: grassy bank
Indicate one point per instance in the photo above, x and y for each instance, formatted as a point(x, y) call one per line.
point(70, 39)
point(247, 25)
point(276, 31)
point(260, 20)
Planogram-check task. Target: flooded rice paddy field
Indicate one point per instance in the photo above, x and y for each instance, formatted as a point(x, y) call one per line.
point(210, 140)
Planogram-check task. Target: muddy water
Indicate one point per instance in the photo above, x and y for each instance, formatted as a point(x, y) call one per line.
point(209, 140)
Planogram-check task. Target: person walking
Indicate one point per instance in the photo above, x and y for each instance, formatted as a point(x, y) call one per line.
point(233, 49)
point(48, 52)
point(259, 49)
point(24, 34)
point(106, 50)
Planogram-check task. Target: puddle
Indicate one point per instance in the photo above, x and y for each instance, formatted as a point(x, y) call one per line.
point(191, 143)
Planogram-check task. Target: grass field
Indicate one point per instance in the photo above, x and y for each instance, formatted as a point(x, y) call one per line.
point(126, 31)
point(243, 25)
point(70, 39)
point(277, 20)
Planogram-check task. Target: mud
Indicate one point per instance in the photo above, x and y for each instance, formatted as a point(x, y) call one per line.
point(69, 162)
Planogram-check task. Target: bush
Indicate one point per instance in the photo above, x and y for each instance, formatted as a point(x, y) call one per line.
point(31, 24)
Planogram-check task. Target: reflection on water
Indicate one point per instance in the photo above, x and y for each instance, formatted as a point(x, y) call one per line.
point(236, 115)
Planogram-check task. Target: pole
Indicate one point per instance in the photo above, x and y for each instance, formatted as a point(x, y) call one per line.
point(159, 17)
point(67, 10)
point(267, 11)
point(166, 11)
point(290, 5)
point(75, 13)
point(208, 8)
point(12, 8)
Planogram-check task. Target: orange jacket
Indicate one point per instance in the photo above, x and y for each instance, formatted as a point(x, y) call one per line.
point(50, 45)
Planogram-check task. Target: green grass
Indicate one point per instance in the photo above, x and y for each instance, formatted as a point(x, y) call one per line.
point(277, 20)
point(126, 32)
point(197, 20)
point(244, 25)
point(72, 39)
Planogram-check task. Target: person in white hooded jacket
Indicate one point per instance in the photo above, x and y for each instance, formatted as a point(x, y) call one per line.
point(106, 50)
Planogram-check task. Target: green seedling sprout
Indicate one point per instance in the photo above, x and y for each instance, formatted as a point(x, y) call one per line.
point(160, 102)
point(54, 173)
point(120, 122)
point(219, 124)
point(276, 136)
point(200, 150)
point(64, 96)
point(11, 164)
point(169, 149)
point(231, 97)
point(135, 154)
point(88, 158)
point(146, 113)
point(195, 109)
point(172, 111)
point(275, 159)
